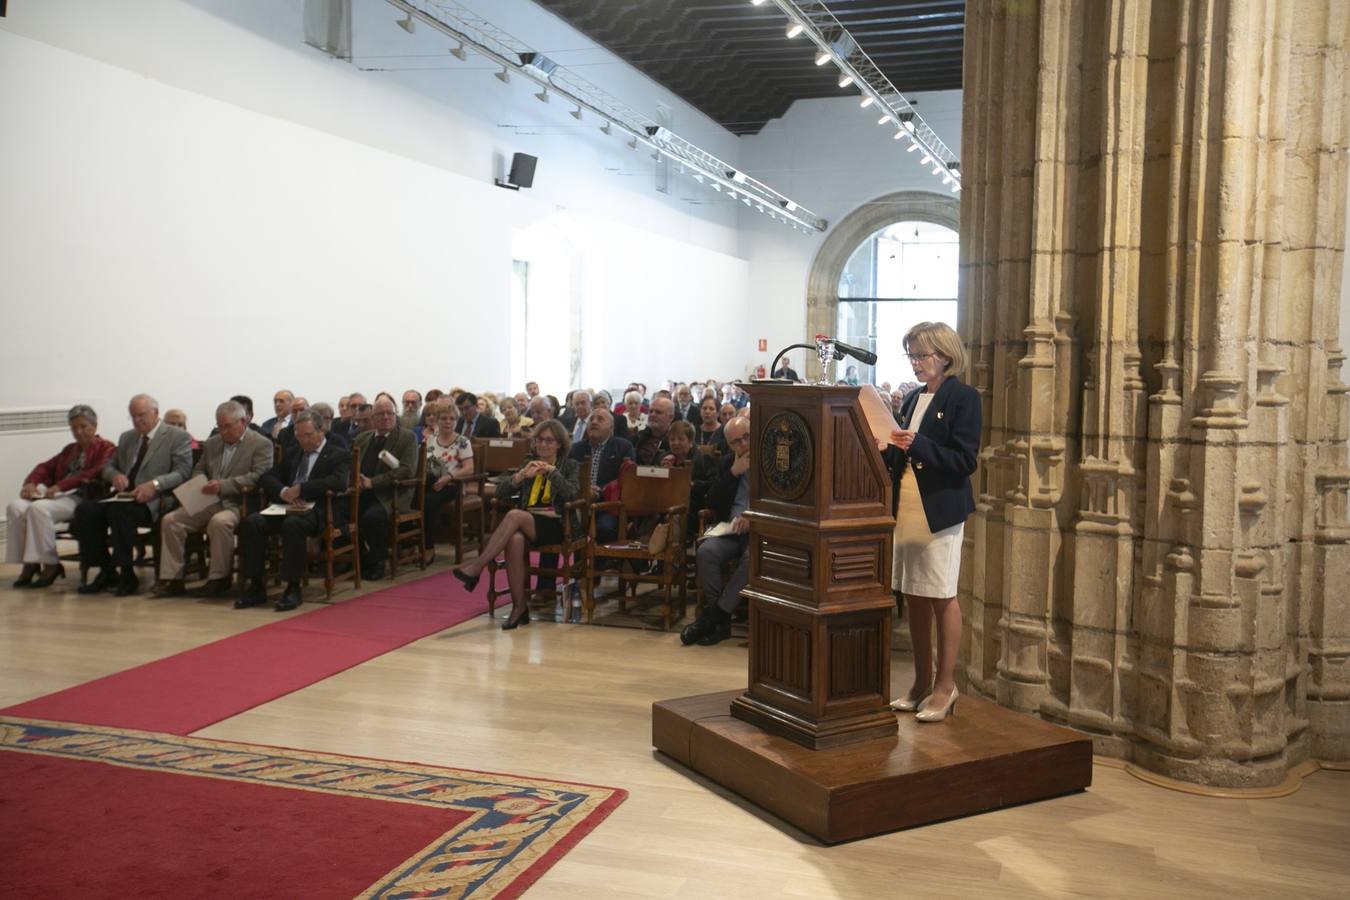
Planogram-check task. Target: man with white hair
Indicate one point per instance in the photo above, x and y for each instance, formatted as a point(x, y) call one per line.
point(653, 442)
point(574, 418)
point(233, 459)
point(152, 459)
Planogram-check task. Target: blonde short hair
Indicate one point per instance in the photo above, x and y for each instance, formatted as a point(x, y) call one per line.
point(938, 337)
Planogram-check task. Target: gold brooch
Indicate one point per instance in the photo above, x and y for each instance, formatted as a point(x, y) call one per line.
point(939, 414)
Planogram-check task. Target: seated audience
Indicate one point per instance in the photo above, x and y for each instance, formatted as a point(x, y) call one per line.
point(735, 396)
point(602, 400)
point(539, 411)
point(531, 390)
point(575, 416)
point(540, 490)
point(634, 417)
point(684, 452)
point(607, 454)
point(522, 400)
point(378, 497)
point(50, 494)
point(726, 412)
point(347, 425)
point(728, 497)
point(449, 457)
point(342, 406)
point(152, 459)
point(233, 460)
point(308, 470)
point(487, 405)
point(361, 419)
point(685, 407)
point(555, 407)
point(709, 431)
point(281, 404)
point(652, 441)
point(512, 422)
point(472, 422)
point(325, 414)
point(412, 409)
point(178, 419)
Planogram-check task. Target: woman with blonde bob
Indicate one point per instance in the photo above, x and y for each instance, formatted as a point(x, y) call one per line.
point(932, 457)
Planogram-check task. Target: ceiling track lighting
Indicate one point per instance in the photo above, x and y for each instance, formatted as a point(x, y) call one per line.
point(459, 53)
point(845, 79)
point(823, 57)
point(407, 23)
point(794, 29)
point(504, 76)
point(867, 101)
point(576, 113)
point(542, 96)
point(607, 128)
point(884, 119)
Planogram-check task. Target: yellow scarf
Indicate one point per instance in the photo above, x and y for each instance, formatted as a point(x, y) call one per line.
point(541, 492)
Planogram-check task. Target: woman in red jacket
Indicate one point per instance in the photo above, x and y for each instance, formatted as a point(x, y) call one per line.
point(50, 494)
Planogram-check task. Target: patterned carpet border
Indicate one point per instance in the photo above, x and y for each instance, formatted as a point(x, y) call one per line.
point(518, 827)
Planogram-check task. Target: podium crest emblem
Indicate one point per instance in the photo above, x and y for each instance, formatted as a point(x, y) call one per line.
point(785, 455)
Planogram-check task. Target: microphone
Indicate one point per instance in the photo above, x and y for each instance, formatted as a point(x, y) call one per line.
point(866, 357)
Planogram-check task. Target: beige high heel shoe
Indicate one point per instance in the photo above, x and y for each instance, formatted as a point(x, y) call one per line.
point(936, 714)
point(905, 704)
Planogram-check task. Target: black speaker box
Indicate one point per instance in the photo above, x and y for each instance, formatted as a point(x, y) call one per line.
point(522, 169)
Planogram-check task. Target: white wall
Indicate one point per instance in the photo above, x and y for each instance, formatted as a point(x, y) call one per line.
point(831, 156)
point(199, 205)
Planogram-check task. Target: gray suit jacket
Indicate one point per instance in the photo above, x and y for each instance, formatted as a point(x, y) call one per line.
point(168, 459)
point(403, 445)
point(252, 457)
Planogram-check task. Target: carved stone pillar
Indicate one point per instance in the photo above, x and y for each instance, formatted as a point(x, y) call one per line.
point(1152, 236)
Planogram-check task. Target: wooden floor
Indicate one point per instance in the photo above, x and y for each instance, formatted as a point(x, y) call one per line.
point(574, 702)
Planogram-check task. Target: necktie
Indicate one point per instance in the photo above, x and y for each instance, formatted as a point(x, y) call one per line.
point(303, 474)
point(140, 458)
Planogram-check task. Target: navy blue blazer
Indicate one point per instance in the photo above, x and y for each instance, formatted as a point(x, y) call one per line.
point(944, 453)
point(611, 460)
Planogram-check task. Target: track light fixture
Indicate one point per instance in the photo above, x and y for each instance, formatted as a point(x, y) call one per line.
point(542, 96)
point(845, 79)
point(822, 57)
point(576, 113)
point(459, 53)
point(794, 29)
point(867, 101)
point(907, 119)
point(504, 76)
point(884, 119)
point(407, 23)
point(607, 128)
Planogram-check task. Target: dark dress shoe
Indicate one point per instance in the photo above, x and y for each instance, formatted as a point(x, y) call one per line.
point(695, 630)
point(174, 587)
point(253, 595)
point(216, 587)
point(470, 582)
point(26, 575)
point(102, 582)
point(522, 619)
point(49, 574)
point(127, 584)
point(373, 573)
point(718, 633)
point(289, 600)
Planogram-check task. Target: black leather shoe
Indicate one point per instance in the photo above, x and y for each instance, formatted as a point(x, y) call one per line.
point(522, 619)
point(174, 587)
point(470, 582)
point(695, 630)
point(372, 573)
point(253, 595)
point(49, 574)
point(289, 600)
point(127, 584)
point(216, 587)
point(102, 582)
point(26, 575)
point(718, 633)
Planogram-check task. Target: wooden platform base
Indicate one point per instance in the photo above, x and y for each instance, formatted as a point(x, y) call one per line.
point(983, 758)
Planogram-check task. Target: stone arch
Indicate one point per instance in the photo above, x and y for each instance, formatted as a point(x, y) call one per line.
point(822, 285)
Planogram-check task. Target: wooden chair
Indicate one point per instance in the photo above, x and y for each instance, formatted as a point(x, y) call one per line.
point(646, 491)
point(501, 456)
point(406, 530)
point(335, 545)
point(467, 505)
point(573, 566)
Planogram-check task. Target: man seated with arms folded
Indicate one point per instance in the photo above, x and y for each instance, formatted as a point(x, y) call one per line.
point(684, 452)
point(309, 469)
point(512, 422)
point(281, 405)
point(233, 460)
point(50, 494)
point(152, 459)
point(377, 483)
point(472, 422)
point(607, 454)
point(449, 456)
point(575, 417)
point(653, 441)
point(728, 498)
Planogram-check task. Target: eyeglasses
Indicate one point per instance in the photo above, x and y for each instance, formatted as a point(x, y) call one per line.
point(919, 357)
point(546, 439)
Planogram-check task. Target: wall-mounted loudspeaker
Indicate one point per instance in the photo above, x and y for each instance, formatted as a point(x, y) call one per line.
point(521, 174)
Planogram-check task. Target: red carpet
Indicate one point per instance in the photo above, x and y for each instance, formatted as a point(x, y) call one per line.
point(184, 693)
point(96, 812)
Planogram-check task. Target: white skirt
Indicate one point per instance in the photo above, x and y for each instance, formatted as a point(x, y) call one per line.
point(926, 564)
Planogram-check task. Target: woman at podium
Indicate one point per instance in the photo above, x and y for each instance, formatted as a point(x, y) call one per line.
point(932, 457)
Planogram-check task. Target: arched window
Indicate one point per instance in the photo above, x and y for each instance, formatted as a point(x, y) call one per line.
point(901, 274)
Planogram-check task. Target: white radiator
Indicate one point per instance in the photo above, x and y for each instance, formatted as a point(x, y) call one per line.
point(27, 437)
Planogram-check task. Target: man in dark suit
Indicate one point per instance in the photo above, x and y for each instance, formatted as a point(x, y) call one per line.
point(685, 407)
point(309, 469)
point(728, 498)
point(653, 442)
point(784, 370)
point(281, 404)
point(347, 426)
point(574, 417)
point(152, 459)
point(607, 454)
point(378, 497)
point(472, 422)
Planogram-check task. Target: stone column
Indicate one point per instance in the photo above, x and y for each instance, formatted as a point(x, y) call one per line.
point(1152, 232)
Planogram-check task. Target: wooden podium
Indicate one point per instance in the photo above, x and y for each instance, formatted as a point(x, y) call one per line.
point(811, 739)
point(820, 569)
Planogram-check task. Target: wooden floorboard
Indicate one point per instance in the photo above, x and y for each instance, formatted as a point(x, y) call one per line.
point(574, 702)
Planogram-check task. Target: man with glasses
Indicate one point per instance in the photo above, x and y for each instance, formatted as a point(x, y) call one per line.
point(729, 498)
point(388, 454)
point(472, 422)
point(152, 459)
point(309, 469)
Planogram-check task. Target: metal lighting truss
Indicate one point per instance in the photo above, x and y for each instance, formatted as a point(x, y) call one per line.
point(474, 32)
point(836, 44)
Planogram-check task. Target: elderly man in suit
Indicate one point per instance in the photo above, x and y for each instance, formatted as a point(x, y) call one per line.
point(653, 442)
point(233, 460)
point(378, 497)
point(309, 469)
point(282, 402)
point(574, 418)
point(152, 459)
point(607, 454)
point(472, 422)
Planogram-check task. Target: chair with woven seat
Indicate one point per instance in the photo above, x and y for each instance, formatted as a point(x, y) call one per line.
point(646, 492)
